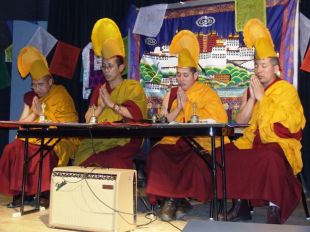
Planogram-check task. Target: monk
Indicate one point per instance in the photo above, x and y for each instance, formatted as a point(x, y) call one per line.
point(57, 105)
point(115, 100)
point(174, 171)
point(262, 164)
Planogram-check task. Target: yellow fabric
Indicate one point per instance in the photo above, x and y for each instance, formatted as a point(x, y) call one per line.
point(186, 60)
point(280, 104)
point(38, 70)
point(27, 56)
point(256, 34)
point(128, 90)
point(208, 105)
point(186, 45)
point(60, 108)
point(254, 29)
point(264, 49)
point(106, 39)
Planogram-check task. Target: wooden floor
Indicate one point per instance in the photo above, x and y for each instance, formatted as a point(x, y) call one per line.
point(39, 221)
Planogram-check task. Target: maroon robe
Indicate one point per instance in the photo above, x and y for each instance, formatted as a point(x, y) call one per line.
point(261, 174)
point(116, 157)
point(175, 170)
point(120, 156)
point(11, 169)
point(12, 160)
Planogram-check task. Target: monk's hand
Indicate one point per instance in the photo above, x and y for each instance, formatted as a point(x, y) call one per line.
point(36, 106)
point(182, 98)
point(101, 103)
point(105, 96)
point(252, 96)
point(257, 87)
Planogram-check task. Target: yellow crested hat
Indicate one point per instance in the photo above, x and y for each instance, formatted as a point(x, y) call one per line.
point(185, 44)
point(38, 70)
point(256, 34)
point(106, 39)
point(30, 60)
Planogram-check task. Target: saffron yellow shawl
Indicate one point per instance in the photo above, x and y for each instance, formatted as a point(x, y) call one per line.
point(280, 104)
point(128, 90)
point(208, 106)
point(60, 108)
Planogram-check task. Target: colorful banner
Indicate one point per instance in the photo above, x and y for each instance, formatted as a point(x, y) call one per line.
point(226, 64)
point(92, 74)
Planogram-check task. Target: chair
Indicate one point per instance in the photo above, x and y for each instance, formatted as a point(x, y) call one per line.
point(202, 153)
point(139, 161)
point(303, 196)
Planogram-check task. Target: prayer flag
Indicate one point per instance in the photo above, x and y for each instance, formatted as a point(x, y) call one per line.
point(305, 66)
point(64, 60)
point(8, 54)
point(150, 19)
point(43, 41)
point(245, 10)
point(304, 37)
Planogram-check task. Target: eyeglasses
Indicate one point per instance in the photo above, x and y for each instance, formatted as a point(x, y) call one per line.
point(107, 67)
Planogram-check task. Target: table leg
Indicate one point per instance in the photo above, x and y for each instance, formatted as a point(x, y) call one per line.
point(40, 174)
point(224, 177)
point(25, 174)
point(214, 172)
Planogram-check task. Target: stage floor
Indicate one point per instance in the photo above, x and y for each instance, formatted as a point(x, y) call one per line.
point(39, 221)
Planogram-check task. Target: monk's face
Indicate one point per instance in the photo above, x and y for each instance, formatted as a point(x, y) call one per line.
point(186, 78)
point(111, 69)
point(42, 86)
point(265, 71)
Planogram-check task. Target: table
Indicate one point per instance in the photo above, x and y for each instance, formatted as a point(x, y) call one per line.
point(52, 130)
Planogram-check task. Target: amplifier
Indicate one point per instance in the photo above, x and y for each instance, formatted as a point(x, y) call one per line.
point(93, 199)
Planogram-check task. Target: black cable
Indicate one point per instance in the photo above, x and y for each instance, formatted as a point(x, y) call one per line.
point(92, 141)
point(150, 219)
point(174, 226)
point(115, 210)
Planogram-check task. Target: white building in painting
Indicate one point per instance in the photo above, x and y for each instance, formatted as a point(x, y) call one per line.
point(214, 52)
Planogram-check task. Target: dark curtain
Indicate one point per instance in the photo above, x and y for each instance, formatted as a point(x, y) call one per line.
point(71, 21)
point(24, 10)
point(4, 115)
point(304, 93)
point(5, 88)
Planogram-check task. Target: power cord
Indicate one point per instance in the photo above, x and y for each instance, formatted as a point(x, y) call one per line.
point(92, 140)
point(174, 226)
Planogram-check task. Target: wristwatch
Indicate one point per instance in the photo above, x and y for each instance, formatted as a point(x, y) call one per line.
point(116, 107)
